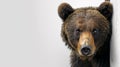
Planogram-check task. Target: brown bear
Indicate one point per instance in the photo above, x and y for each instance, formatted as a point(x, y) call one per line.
point(87, 32)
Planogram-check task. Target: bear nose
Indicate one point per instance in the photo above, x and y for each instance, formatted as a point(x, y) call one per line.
point(86, 50)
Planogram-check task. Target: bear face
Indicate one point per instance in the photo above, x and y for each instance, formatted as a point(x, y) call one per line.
point(85, 30)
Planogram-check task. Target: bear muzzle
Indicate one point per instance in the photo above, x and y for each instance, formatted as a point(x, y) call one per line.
point(86, 46)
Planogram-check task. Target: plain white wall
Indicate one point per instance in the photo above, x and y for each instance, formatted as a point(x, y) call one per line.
point(30, 33)
point(115, 42)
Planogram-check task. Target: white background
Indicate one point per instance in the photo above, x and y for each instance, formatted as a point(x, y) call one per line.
point(30, 33)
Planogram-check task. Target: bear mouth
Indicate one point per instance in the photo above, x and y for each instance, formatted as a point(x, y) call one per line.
point(86, 57)
point(89, 57)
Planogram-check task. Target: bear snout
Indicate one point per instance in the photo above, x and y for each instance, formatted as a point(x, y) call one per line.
point(86, 45)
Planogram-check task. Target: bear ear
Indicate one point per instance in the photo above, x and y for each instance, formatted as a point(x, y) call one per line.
point(106, 9)
point(64, 10)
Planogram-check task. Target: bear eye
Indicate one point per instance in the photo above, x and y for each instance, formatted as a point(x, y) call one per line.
point(77, 34)
point(95, 31)
point(78, 30)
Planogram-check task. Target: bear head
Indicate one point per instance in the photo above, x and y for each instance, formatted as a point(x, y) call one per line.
point(85, 30)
